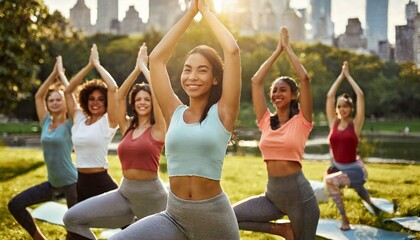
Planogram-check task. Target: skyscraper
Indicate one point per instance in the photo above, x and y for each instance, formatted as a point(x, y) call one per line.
point(376, 23)
point(107, 13)
point(80, 17)
point(322, 28)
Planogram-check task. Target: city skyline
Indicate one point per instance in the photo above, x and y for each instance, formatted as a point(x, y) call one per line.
point(339, 11)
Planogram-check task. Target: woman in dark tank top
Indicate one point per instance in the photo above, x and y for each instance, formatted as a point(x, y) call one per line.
point(344, 133)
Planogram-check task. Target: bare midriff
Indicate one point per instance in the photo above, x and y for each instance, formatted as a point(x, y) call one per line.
point(280, 168)
point(139, 174)
point(91, 170)
point(194, 188)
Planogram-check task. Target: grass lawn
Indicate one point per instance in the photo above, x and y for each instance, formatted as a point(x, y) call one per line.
point(243, 176)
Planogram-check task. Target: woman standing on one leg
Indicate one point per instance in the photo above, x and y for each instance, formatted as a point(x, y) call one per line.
point(197, 136)
point(141, 192)
point(94, 125)
point(344, 135)
point(57, 146)
point(283, 138)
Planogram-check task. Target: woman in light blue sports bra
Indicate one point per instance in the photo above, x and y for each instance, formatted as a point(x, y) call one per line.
point(197, 135)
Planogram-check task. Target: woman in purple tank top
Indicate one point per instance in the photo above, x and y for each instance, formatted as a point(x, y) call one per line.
point(344, 134)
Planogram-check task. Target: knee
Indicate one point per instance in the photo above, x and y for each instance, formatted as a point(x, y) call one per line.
point(70, 218)
point(14, 206)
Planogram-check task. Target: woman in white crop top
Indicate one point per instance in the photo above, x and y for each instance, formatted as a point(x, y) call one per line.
point(197, 206)
point(288, 191)
point(141, 192)
point(94, 125)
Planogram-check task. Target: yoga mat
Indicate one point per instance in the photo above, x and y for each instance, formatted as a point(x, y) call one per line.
point(52, 212)
point(318, 188)
point(330, 229)
point(381, 203)
point(412, 223)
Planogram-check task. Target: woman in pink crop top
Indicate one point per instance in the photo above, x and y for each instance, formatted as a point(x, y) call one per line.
point(141, 192)
point(288, 191)
point(344, 134)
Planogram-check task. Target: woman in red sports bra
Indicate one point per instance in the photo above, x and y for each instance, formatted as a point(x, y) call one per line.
point(346, 170)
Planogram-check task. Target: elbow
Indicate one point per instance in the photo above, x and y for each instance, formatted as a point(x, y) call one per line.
point(112, 89)
point(233, 51)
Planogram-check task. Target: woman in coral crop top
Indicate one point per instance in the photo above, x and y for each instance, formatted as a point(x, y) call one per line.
point(283, 137)
point(197, 206)
point(141, 192)
point(344, 135)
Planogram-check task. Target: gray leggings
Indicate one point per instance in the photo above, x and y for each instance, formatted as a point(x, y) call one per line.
point(184, 219)
point(290, 195)
point(117, 208)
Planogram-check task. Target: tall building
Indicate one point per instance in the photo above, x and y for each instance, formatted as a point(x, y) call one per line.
point(353, 38)
point(163, 14)
point(321, 26)
point(376, 23)
point(407, 37)
point(107, 14)
point(80, 17)
point(132, 23)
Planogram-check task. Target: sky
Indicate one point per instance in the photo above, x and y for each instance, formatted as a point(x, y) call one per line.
point(341, 11)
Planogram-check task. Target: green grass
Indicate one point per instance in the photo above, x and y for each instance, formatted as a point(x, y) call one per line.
point(242, 177)
point(391, 126)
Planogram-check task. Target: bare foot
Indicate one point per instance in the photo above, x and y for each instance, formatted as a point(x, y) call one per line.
point(345, 224)
point(283, 229)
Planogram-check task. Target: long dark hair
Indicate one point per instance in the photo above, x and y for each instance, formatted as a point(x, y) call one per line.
point(217, 65)
point(294, 104)
point(132, 101)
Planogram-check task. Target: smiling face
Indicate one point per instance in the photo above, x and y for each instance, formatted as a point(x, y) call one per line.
point(143, 103)
point(56, 103)
point(281, 94)
point(197, 76)
point(96, 103)
point(343, 109)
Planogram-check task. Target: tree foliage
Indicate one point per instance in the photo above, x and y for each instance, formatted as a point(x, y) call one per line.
point(32, 38)
point(26, 29)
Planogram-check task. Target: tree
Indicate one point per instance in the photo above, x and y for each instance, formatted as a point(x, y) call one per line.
point(26, 29)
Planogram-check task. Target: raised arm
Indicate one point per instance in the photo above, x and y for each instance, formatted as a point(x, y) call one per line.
point(159, 129)
point(232, 80)
point(123, 119)
point(40, 105)
point(159, 57)
point(305, 83)
point(61, 74)
point(359, 119)
point(75, 81)
point(258, 94)
point(330, 105)
point(111, 86)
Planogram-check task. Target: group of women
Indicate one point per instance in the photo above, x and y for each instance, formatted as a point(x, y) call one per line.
point(195, 137)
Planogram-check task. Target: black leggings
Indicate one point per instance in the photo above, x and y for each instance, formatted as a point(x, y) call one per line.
point(92, 184)
point(43, 192)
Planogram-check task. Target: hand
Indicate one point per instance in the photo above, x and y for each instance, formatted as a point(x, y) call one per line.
point(203, 6)
point(59, 64)
point(142, 57)
point(279, 46)
point(194, 6)
point(345, 68)
point(94, 55)
point(284, 35)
